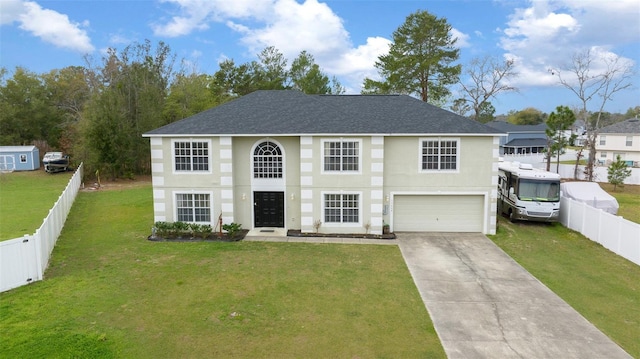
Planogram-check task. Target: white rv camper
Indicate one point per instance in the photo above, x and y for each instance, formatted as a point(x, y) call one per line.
point(527, 193)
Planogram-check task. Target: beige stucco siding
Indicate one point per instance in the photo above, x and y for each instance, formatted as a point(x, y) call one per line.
point(388, 166)
point(167, 182)
point(403, 167)
point(362, 182)
point(476, 174)
point(245, 184)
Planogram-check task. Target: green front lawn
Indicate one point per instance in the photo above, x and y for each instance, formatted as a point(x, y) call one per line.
point(602, 286)
point(109, 292)
point(628, 198)
point(26, 198)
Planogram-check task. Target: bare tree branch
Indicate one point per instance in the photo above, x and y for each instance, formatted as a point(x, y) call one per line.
point(589, 84)
point(487, 77)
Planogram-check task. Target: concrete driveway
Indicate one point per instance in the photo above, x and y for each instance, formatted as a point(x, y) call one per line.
point(485, 305)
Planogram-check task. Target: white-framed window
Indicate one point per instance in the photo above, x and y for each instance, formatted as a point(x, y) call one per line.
point(629, 141)
point(193, 207)
point(23, 158)
point(603, 155)
point(603, 140)
point(341, 155)
point(439, 154)
point(191, 156)
point(341, 208)
point(267, 160)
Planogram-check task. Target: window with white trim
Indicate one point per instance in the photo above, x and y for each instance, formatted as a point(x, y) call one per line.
point(341, 156)
point(193, 207)
point(341, 208)
point(439, 154)
point(629, 141)
point(603, 140)
point(267, 161)
point(191, 156)
point(23, 158)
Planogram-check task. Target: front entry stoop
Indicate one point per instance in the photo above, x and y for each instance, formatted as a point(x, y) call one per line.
point(267, 232)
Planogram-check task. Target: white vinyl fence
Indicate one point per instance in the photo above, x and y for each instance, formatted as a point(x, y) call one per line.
point(24, 260)
point(615, 233)
point(600, 173)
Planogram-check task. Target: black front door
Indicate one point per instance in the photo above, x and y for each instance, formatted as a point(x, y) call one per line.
point(268, 208)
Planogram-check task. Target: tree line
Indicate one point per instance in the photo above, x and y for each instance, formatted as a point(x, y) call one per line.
point(98, 112)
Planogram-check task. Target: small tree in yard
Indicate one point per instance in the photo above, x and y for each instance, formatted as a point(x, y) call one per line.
point(558, 122)
point(618, 172)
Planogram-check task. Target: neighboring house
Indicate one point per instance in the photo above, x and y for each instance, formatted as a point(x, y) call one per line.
point(579, 131)
point(622, 138)
point(284, 159)
point(19, 158)
point(521, 139)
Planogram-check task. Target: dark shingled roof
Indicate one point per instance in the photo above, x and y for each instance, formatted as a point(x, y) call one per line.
point(510, 127)
point(527, 142)
point(629, 127)
point(288, 112)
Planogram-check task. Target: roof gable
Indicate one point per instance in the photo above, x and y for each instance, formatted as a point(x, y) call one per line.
point(288, 112)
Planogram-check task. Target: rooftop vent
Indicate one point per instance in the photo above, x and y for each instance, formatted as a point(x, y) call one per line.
point(526, 166)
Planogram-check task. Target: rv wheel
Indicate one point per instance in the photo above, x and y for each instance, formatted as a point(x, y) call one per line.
point(512, 217)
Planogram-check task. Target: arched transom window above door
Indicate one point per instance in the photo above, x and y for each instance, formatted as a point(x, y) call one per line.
point(267, 160)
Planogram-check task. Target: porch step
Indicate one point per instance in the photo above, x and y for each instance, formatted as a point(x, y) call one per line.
point(267, 232)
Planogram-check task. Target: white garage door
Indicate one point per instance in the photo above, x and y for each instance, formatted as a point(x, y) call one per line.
point(435, 213)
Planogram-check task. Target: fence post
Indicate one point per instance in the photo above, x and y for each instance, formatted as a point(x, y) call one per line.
point(600, 231)
point(619, 238)
point(37, 241)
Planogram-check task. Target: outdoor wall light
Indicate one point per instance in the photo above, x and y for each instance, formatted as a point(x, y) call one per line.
point(244, 196)
point(293, 196)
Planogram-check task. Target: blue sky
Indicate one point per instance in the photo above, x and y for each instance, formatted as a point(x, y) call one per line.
point(345, 36)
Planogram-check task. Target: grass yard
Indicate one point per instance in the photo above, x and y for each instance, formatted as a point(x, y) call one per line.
point(602, 286)
point(628, 198)
point(25, 200)
point(110, 293)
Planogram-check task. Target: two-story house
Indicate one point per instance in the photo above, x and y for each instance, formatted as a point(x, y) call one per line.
point(620, 139)
point(348, 163)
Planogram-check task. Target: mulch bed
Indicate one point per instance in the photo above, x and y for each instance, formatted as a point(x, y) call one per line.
point(298, 233)
point(214, 237)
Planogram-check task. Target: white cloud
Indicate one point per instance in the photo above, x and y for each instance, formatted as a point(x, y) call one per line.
point(195, 15)
point(463, 39)
point(293, 27)
point(10, 11)
point(548, 33)
point(50, 26)
point(290, 27)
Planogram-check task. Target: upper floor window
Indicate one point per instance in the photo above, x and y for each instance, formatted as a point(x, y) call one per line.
point(193, 207)
point(191, 156)
point(341, 155)
point(603, 140)
point(342, 208)
point(439, 154)
point(629, 141)
point(267, 161)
